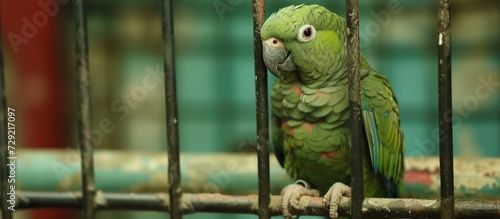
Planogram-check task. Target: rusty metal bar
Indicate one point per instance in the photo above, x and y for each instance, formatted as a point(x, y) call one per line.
point(207, 202)
point(445, 110)
point(174, 169)
point(83, 110)
point(262, 111)
point(356, 158)
point(4, 186)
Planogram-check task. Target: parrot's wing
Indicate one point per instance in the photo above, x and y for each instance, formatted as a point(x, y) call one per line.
point(382, 126)
point(277, 139)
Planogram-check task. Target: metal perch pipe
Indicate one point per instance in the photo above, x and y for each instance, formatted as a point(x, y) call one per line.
point(230, 173)
point(204, 202)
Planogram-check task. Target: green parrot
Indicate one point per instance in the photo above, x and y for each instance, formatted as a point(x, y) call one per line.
point(304, 46)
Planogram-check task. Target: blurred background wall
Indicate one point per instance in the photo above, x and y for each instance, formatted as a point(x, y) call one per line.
point(215, 85)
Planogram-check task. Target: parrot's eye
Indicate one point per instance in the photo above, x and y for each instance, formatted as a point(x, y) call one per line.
point(306, 33)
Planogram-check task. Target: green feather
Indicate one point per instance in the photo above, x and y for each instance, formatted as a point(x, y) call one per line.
point(321, 99)
point(322, 111)
point(305, 107)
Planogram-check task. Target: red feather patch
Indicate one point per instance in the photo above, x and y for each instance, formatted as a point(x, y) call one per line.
point(329, 154)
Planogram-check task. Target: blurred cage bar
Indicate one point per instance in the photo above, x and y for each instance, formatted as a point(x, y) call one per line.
point(83, 110)
point(4, 186)
point(178, 203)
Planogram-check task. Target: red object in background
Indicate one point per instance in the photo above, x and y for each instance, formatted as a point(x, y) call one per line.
point(31, 37)
point(419, 177)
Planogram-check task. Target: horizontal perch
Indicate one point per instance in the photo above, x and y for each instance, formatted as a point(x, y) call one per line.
point(203, 202)
point(228, 173)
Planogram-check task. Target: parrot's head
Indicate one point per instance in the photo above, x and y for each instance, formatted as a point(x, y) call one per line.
point(302, 39)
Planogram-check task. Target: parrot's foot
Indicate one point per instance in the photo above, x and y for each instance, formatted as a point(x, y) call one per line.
point(331, 200)
point(291, 195)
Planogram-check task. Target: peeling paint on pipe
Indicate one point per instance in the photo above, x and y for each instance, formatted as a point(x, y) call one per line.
point(229, 173)
point(248, 204)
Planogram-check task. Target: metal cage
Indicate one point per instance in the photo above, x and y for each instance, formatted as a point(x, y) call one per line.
point(178, 203)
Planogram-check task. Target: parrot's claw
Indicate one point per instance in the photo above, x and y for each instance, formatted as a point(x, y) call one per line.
point(291, 195)
point(331, 200)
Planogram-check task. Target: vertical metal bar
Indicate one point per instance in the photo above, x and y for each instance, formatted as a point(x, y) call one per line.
point(262, 111)
point(83, 97)
point(445, 107)
point(174, 172)
point(352, 21)
point(4, 187)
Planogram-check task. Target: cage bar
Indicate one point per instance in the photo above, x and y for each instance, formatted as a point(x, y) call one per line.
point(262, 112)
point(357, 187)
point(174, 171)
point(4, 187)
point(445, 110)
point(208, 202)
point(83, 110)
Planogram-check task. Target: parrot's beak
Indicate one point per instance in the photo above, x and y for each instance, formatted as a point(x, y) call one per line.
point(276, 57)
